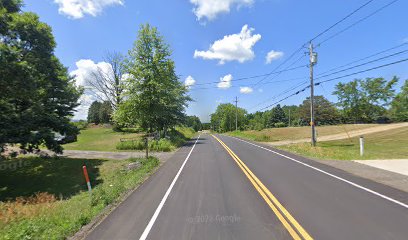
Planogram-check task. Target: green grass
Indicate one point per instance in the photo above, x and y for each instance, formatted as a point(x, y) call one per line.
point(47, 198)
point(293, 133)
point(107, 140)
point(99, 139)
point(392, 144)
point(176, 138)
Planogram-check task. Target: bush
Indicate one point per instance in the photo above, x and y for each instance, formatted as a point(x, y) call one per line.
point(162, 145)
point(280, 125)
point(81, 124)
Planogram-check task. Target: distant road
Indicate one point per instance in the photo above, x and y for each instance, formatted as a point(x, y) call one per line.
point(225, 188)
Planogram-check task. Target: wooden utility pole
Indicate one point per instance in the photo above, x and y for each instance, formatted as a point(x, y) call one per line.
point(313, 61)
point(236, 113)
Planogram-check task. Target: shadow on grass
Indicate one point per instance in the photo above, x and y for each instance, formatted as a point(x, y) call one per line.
point(342, 145)
point(62, 177)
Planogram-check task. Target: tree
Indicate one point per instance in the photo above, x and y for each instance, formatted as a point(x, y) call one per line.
point(277, 116)
point(399, 106)
point(194, 122)
point(105, 112)
point(325, 112)
point(155, 98)
point(94, 112)
point(224, 117)
point(100, 112)
point(108, 82)
point(38, 97)
point(366, 100)
point(292, 114)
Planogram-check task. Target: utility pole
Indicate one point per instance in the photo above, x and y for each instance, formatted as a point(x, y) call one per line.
point(313, 61)
point(236, 113)
point(289, 117)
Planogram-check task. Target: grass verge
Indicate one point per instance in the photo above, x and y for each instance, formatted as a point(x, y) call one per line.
point(392, 144)
point(176, 138)
point(47, 198)
point(294, 133)
point(99, 139)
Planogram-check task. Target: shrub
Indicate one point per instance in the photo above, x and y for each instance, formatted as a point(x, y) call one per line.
point(280, 125)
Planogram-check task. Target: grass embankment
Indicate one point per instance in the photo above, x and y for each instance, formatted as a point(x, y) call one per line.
point(294, 133)
point(176, 138)
point(47, 198)
point(391, 144)
point(105, 139)
point(99, 139)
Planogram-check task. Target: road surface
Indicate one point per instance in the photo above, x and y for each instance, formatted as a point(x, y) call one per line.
point(220, 187)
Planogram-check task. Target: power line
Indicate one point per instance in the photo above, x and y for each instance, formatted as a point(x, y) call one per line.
point(280, 65)
point(255, 76)
point(280, 94)
point(332, 79)
point(269, 82)
point(359, 65)
point(357, 22)
point(341, 20)
point(364, 58)
point(363, 71)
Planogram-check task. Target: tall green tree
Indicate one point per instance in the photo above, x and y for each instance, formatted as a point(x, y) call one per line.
point(224, 117)
point(94, 112)
point(326, 112)
point(105, 112)
point(38, 97)
point(365, 100)
point(155, 98)
point(277, 116)
point(399, 106)
point(194, 122)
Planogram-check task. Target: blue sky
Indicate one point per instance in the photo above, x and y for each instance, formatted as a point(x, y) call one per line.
point(229, 39)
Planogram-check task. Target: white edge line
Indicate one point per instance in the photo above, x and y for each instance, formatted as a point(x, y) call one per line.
point(158, 209)
point(331, 175)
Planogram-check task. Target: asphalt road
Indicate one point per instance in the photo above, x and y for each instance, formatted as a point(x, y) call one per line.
point(225, 188)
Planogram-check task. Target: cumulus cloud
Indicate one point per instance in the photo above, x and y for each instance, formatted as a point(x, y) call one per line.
point(85, 69)
point(82, 74)
point(273, 55)
point(235, 47)
point(245, 90)
point(211, 8)
point(190, 81)
point(78, 8)
point(225, 82)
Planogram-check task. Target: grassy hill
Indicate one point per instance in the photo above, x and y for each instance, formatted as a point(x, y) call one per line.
point(391, 144)
point(294, 133)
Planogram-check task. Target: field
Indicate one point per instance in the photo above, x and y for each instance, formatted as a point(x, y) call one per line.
point(99, 139)
point(43, 198)
point(392, 144)
point(107, 140)
point(294, 133)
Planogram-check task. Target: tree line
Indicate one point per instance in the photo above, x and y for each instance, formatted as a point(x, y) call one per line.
point(38, 96)
point(370, 100)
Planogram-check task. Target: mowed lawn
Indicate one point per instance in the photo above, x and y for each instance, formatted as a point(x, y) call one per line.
point(47, 198)
point(294, 133)
point(99, 139)
point(392, 144)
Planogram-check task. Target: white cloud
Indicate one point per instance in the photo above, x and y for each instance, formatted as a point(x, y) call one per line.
point(211, 8)
point(78, 8)
point(189, 81)
point(236, 47)
point(85, 68)
point(225, 82)
point(273, 55)
point(245, 90)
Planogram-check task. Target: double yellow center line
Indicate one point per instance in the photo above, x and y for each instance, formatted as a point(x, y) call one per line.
point(289, 222)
